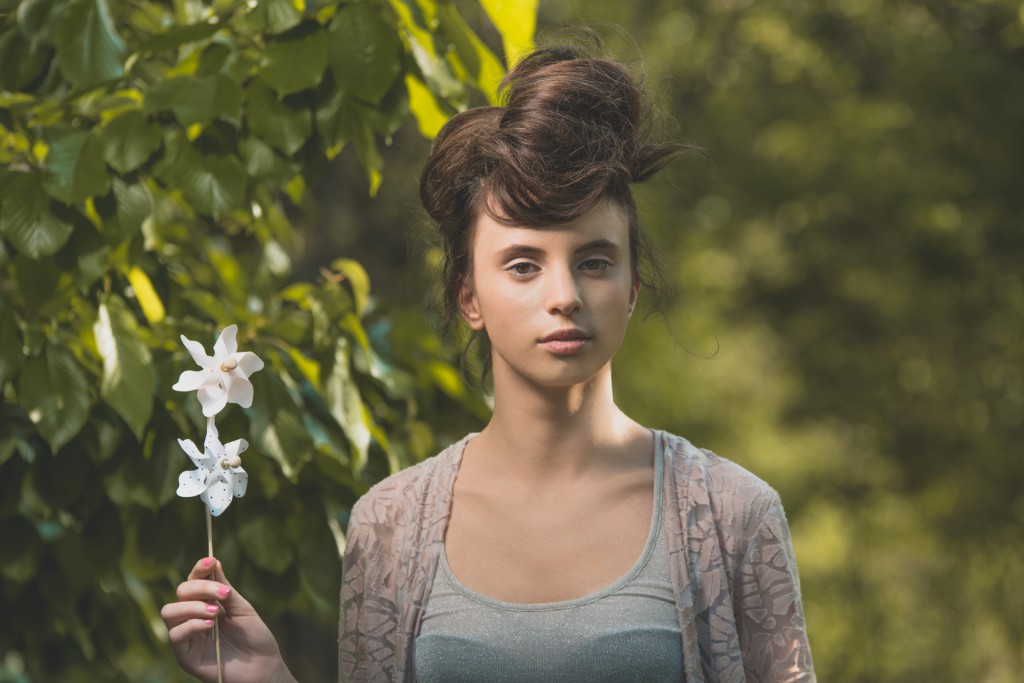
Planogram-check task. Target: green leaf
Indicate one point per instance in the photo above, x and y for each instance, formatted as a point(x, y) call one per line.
point(447, 379)
point(145, 294)
point(214, 185)
point(276, 428)
point(196, 99)
point(393, 111)
point(280, 123)
point(162, 95)
point(346, 405)
point(364, 52)
point(357, 278)
point(333, 127)
point(36, 21)
point(213, 59)
point(263, 163)
point(430, 117)
point(11, 357)
point(129, 140)
point(295, 62)
point(265, 541)
point(12, 471)
point(54, 392)
point(369, 156)
point(232, 275)
point(38, 280)
point(76, 165)
point(276, 16)
point(20, 64)
point(19, 549)
point(318, 563)
point(147, 478)
point(91, 255)
point(26, 218)
point(420, 40)
point(516, 21)
point(128, 381)
point(123, 211)
point(107, 434)
point(177, 36)
point(436, 72)
point(473, 56)
point(89, 50)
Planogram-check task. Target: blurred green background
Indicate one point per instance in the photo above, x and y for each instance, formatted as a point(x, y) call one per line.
point(847, 322)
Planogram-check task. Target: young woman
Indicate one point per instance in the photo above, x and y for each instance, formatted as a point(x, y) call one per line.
point(564, 542)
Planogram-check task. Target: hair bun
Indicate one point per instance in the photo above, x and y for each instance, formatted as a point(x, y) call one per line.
point(556, 96)
point(573, 131)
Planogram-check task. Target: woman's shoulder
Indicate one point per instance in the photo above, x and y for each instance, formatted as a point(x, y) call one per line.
point(708, 477)
point(719, 499)
point(406, 491)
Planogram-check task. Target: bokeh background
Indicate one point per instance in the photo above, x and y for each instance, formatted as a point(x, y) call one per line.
point(846, 321)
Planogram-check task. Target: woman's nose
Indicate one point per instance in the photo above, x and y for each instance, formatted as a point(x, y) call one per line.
point(563, 295)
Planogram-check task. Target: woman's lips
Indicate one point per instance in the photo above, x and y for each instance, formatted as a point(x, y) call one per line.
point(564, 347)
point(565, 342)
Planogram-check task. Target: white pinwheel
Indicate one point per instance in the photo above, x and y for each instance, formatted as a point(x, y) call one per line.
point(218, 477)
point(224, 377)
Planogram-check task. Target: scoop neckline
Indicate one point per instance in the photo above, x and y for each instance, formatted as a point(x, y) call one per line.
point(645, 554)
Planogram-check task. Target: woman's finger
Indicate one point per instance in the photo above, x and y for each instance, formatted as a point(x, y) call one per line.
point(178, 612)
point(189, 629)
point(204, 569)
point(202, 589)
point(200, 585)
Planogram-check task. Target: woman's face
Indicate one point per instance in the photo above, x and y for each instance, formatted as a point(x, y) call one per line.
point(554, 301)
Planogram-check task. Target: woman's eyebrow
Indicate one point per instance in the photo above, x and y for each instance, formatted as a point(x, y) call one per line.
point(601, 243)
point(519, 250)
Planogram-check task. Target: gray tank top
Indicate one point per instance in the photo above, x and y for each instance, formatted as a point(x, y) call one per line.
point(625, 632)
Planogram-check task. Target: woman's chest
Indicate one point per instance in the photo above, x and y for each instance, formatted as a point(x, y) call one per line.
point(533, 553)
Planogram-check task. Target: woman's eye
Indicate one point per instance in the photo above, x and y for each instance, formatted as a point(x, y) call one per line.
point(521, 268)
point(595, 265)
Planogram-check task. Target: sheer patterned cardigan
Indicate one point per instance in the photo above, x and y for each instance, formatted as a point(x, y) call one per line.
point(733, 570)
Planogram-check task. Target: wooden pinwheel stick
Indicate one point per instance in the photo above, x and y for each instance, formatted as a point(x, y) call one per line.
point(216, 619)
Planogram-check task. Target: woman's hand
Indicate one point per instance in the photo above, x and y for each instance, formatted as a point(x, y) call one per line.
point(248, 650)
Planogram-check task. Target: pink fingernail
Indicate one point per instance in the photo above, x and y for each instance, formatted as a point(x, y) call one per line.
point(223, 591)
point(208, 561)
point(212, 609)
point(207, 621)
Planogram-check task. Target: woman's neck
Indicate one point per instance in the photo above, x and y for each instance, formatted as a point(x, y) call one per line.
point(549, 434)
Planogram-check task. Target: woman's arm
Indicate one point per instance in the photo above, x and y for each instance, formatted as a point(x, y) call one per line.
point(769, 612)
point(249, 651)
point(352, 618)
point(368, 615)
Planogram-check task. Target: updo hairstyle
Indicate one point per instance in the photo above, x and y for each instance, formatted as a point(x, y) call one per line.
point(570, 131)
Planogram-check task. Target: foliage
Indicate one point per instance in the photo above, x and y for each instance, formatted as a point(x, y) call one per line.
point(153, 153)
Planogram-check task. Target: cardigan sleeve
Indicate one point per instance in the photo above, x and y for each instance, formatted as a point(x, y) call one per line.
point(769, 612)
point(368, 614)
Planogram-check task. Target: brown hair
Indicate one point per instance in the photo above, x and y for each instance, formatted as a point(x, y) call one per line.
point(570, 131)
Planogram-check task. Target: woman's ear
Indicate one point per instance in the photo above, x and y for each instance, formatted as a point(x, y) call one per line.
point(470, 307)
point(633, 294)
